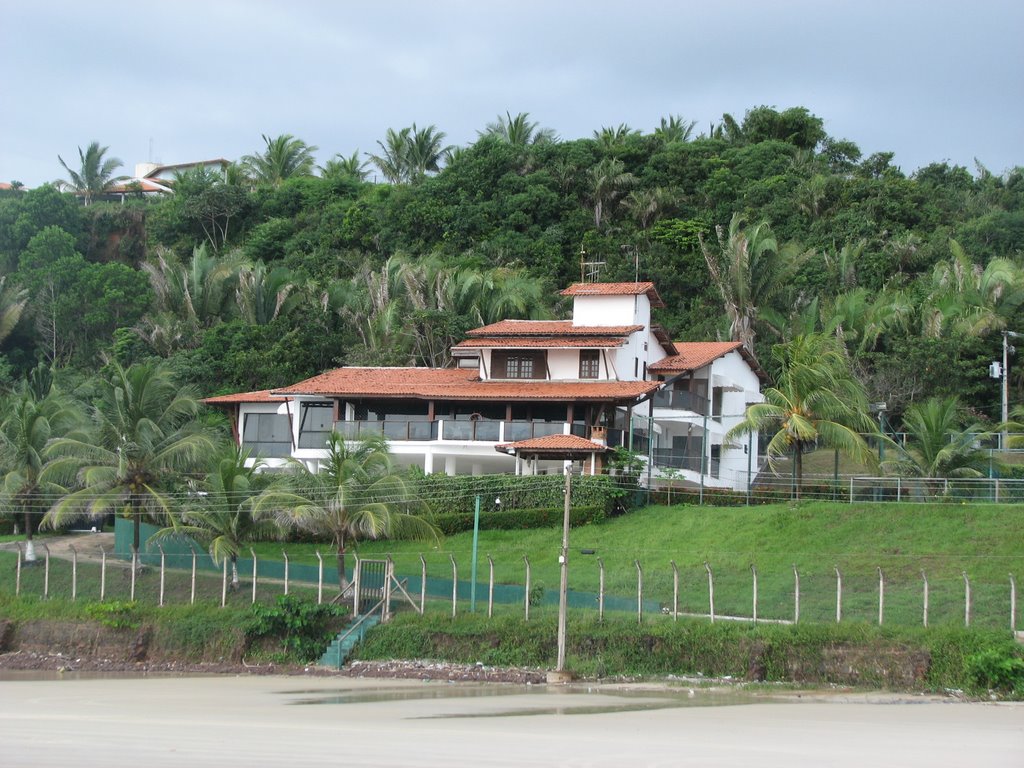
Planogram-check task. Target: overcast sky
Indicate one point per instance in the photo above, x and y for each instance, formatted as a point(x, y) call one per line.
point(186, 80)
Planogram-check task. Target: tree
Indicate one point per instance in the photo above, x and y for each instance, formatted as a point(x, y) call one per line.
point(607, 181)
point(519, 131)
point(356, 494)
point(95, 174)
point(224, 521)
point(283, 158)
point(674, 129)
point(350, 167)
point(264, 295)
point(143, 437)
point(410, 154)
point(938, 442)
point(816, 400)
point(749, 268)
point(33, 415)
point(12, 304)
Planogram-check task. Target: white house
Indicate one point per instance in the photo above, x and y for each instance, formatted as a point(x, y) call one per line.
point(608, 375)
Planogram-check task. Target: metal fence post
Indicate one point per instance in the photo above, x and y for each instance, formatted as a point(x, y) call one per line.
point(490, 586)
point(423, 585)
point(711, 592)
point(17, 571)
point(600, 590)
point(135, 570)
point(192, 598)
point(103, 573)
point(286, 564)
point(796, 595)
point(163, 571)
point(526, 597)
point(1013, 604)
point(255, 574)
point(74, 573)
point(224, 583)
point(639, 592)
point(839, 595)
point(46, 572)
point(967, 599)
point(675, 591)
point(924, 618)
point(455, 584)
point(753, 574)
point(881, 596)
point(319, 578)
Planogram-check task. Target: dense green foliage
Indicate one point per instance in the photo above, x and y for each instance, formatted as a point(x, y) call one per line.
point(763, 228)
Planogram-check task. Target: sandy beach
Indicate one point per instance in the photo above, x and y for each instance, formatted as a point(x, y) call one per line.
point(288, 721)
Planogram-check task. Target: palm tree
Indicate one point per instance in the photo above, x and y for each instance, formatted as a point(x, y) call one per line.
point(12, 304)
point(816, 400)
point(674, 129)
point(355, 495)
point(264, 295)
point(749, 268)
point(284, 157)
point(393, 161)
point(519, 131)
point(144, 436)
point(611, 137)
point(350, 167)
point(410, 154)
point(608, 180)
point(225, 522)
point(939, 443)
point(95, 174)
point(31, 418)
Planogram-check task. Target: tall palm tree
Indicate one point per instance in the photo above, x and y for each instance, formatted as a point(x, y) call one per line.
point(355, 495)
point(611, 137)
point(264, 295)
point(816, 400)
point(674, 129)
point(31, 419)
point(144, 436)
point(283, 158)
point(939, 443)
point(12, 303)
point(95, 174)
point(393, 161)
point(426, 151)
point(749, 268)
point(607, 182)
point(223, 520)
point(351, 167)
point(519, 131)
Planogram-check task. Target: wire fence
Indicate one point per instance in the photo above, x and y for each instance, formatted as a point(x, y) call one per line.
point(903, 594)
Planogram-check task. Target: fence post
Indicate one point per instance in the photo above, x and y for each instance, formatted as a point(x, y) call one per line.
point(851, 489)
point(423, 585)
point(1013, 604)
point(675, 591)
point(389, 577)
point(103, 573)
point(600, 590)
point(711, 592)
point(753, 573)
point(526, 597)
point(74, 573)
point(639, 592)
point(135, 570)
point(881, 596)
point(899, 490)
point(46, 573)
point(490, 586)
point(924, 618)
point(967, 600)
point(839, 594)
point(455, 584)
point(224, 583)
point(192, 599)
point(796, 595)
point(286, 564)
point(17, 572)
point(255, 574)
point(355, 587)
point(319, 578)
point(163, 582)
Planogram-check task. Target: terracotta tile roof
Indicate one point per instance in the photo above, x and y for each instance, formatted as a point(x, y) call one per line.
point(260, 396)
point(551, 328)
point(459, 384)
point(615, 289)
point(554, 444)
point(696, 354)
point(541, 342)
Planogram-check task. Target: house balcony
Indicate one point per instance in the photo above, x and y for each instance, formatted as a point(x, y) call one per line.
point(440, 430)
point(680, 400)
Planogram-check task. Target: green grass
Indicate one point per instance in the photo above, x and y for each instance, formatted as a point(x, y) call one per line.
point(986, 541)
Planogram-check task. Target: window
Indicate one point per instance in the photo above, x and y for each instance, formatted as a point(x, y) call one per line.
point(519, 365)
point(315, 424)
point(267, 434)
point(590, 363)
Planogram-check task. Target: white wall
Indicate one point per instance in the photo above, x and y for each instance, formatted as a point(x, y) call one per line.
point(609, 310)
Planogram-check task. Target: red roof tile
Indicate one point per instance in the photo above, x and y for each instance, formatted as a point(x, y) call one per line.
point(261, 396)
point(458, 384)
point(555, 444)
point(696, 354)
point(541, 342)
point(615, 289)
point(551, 328)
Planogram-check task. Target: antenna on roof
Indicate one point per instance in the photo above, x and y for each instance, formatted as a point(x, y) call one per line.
point(590, 271)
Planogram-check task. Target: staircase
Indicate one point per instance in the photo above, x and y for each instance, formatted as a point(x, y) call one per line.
point(348, 639)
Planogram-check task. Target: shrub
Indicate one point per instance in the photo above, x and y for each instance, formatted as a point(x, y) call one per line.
point(304, 628)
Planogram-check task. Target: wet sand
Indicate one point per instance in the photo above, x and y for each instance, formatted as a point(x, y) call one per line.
point(276, 721)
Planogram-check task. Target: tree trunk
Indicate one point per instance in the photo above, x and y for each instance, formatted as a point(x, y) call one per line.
point(30, 547)
point(342, 578)
point(798, 462)
point(235, 585)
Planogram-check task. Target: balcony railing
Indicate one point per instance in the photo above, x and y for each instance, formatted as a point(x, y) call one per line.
point(666, 458)
point(443, 429)
point(680, 400)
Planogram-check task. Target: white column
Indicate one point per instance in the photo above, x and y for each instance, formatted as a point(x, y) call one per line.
point(449, 465)
point(428, 462)
point(478, 468)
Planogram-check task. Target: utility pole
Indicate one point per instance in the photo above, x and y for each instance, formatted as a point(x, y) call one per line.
point(563, 587)
point(1004, 437)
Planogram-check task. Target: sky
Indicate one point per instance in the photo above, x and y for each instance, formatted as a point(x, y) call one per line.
point(180, 81)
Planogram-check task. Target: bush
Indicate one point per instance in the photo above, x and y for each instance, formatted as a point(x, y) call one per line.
point(456, 494)
point(997, 670)
point(516, 519)
point(304, 628)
